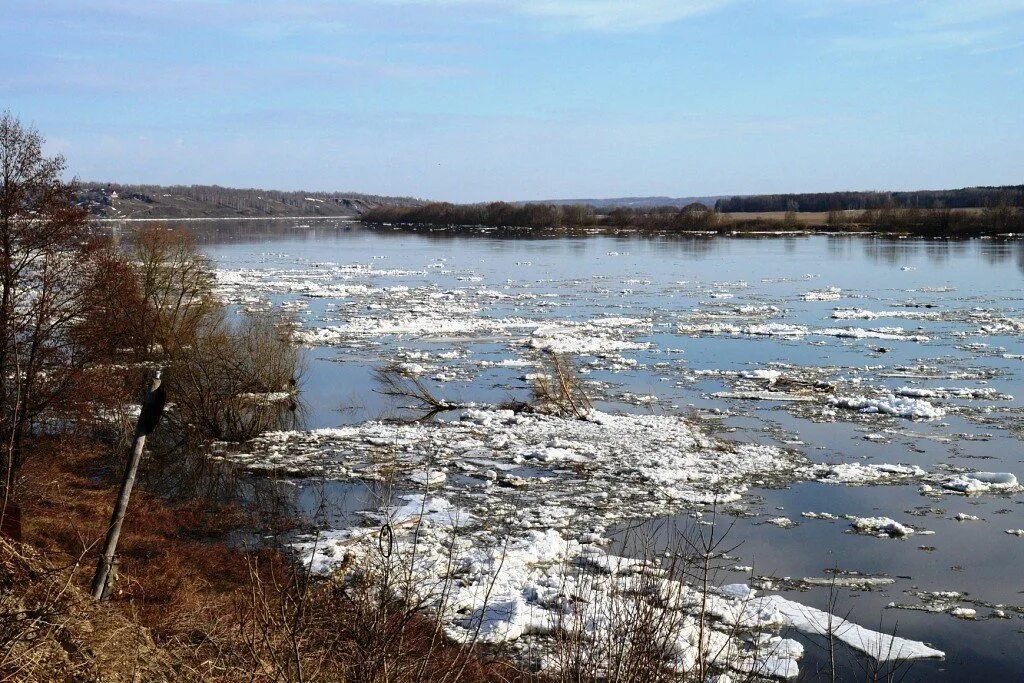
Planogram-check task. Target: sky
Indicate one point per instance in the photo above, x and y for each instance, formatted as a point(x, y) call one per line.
point(473, 100)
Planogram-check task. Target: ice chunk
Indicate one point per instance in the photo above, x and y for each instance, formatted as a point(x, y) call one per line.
point(881, 527)
point(882, 647)
point(910, 408)
point(981, 482)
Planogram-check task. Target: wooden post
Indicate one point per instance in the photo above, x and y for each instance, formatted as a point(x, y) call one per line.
point(149, 416)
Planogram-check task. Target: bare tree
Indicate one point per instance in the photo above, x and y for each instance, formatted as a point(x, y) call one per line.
point(175, 284)
point(51, 277)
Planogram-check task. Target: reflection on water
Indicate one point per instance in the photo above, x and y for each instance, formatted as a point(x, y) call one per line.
point(882, 249)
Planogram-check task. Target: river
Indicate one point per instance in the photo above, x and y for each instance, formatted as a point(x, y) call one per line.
point(837, 349)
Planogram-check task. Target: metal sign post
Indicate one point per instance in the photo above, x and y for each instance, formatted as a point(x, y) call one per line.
point(149, 416)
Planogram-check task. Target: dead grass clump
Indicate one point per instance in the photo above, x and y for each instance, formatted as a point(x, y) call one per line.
point(288, 627)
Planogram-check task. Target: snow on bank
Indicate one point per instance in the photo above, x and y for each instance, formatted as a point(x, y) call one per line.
point(497, 589)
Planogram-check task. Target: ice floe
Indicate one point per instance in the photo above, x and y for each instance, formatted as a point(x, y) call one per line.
point(982, 482)
point(651, 462)
point(830, 294)
point(881, 526)
point(859, 474)
point(880, 646)
point(899, 406)
point(773, 329)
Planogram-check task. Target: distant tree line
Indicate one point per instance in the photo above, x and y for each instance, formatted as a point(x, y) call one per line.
point(696, 218)
point(495, 214)
point(690, 218)
point(969, 197)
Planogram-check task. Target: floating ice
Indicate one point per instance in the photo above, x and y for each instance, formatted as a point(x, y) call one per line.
point(650, 463)
point(771, 376)
point(830, 294)
point(863, 314)
point(598, 336)
point(880, 646)
point(786, 330)
point(981, 482)
point(881, 527)
point(900, 406)
point(428, 477)
point(953, 392)
point(857, 473)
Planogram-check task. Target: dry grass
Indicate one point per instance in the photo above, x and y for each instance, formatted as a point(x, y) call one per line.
point(50, 630)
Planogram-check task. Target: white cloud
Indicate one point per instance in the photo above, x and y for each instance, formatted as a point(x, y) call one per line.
point(978, 26)
point(600, 15)
point(622, 14)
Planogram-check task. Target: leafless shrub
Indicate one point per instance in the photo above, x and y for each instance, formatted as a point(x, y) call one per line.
point(174, 282)
point(650, 618)
point(557, 388)
point(399, 384)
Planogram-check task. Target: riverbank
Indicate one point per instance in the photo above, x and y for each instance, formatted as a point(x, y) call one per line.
point(192, 603)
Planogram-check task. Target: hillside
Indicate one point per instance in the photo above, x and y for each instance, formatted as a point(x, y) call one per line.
point(113, 200)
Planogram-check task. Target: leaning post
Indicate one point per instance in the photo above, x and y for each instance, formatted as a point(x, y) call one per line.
point(149, 416)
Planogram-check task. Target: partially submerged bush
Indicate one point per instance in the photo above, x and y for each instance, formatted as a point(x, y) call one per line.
point(401, 385)
point(235, 381)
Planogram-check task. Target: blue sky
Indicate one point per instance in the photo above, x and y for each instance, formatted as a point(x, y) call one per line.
point(470, 100)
